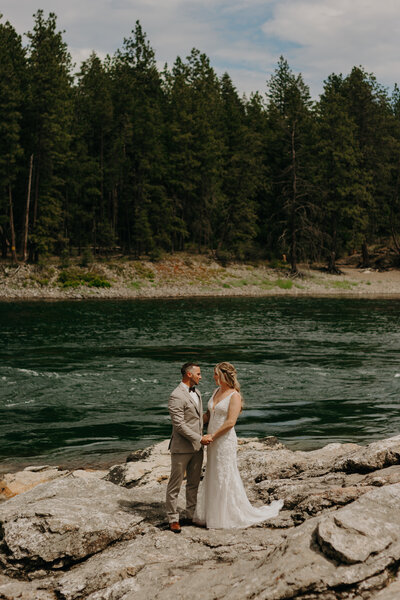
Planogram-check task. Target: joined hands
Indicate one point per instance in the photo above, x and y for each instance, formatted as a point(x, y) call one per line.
point(206, 439)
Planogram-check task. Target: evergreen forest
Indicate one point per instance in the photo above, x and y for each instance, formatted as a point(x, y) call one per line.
point(117, 155)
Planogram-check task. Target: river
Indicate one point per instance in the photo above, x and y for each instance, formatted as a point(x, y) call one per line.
point(85, 382)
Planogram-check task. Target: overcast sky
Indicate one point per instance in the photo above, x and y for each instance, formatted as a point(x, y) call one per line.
point(243, 37)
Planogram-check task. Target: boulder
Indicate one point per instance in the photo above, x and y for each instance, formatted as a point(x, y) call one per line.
point(81, 537)
point(382, 477)
point(149, 565)
point(377, 455)
point(147, 467)
point(285, 464)
point(350, 553)
point(13, 484)
point(352, 549)
point(22, 590)
point(306, 497)
point(153, 549)
point(391, 592)
point(62, 522)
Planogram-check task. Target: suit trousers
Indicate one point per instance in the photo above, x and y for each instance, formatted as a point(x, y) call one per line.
point(191, 463)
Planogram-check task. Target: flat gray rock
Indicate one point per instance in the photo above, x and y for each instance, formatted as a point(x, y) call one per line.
point(319, 560)
point(23, 590)
point(391, 592)
point(300, 566)
point(81, 537)
point(64, 521)
point(377, 455)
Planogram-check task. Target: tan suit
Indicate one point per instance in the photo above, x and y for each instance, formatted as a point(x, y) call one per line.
point(186, 450)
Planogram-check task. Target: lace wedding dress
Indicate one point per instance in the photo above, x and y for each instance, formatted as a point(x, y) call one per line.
point(222, 502)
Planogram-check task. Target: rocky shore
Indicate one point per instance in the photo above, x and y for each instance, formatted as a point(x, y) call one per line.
point(182, 275)
point(101, 535)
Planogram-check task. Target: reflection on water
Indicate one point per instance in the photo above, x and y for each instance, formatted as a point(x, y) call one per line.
point(89, 381)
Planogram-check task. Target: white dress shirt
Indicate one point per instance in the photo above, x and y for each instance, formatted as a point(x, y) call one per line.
point(192, 394)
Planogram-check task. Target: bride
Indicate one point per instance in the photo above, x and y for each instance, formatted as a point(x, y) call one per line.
point(222, 502)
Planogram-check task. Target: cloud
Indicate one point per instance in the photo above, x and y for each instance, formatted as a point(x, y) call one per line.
point(243, 37)
point(335, 35)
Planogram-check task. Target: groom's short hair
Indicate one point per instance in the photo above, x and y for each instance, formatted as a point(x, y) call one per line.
point(187, 366)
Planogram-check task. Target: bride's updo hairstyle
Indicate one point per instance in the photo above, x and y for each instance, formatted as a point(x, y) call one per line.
point(227, 373)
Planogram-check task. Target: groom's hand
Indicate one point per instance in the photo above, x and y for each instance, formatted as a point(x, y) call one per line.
point(206, 439)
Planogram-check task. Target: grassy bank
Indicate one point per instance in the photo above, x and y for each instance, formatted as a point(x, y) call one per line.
point(182, 275)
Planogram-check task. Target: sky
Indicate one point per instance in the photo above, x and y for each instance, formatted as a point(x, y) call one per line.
point(243, 37)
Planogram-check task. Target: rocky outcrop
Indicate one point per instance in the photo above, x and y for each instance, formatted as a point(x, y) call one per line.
point(62, 522)
point(143, 467)
point(377, 455)
point(102, 535)
point(13, 484)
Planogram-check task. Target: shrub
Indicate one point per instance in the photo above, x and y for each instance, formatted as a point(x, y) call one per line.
point(144, 272)
point(224, 257)
point(42, 281)
point(266, 283)
point(73, 278)
point(284, 284)
point(86, 258)
point(343, 285)
point(156, 255)
point(65, 259)
point(277, 263)
point(240, 283)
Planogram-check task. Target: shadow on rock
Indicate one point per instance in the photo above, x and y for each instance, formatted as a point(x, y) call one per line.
point(152, 512)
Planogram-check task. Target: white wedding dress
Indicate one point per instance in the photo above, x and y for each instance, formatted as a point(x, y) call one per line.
point(222, 502)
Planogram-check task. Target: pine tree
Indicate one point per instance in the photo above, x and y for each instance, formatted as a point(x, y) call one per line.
point(289, 111)
point(182, 176)
point(338, 159)
point(236, 226)
point(369, 107)
point(12, 76)
point(48, 130)
point(393, 205)
point(138, 153)
point(91, 207)
point(195, 147)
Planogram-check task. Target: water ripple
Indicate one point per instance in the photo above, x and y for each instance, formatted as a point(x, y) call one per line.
point(91, 379)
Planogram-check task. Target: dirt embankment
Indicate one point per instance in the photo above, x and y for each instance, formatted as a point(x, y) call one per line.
point(183, 275)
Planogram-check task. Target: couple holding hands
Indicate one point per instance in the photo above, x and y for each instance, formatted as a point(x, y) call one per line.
point(221, 502)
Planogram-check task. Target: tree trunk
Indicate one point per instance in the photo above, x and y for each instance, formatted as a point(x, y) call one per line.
point(24, 250)
point(365, 263)
point(115, 208)
point(293, 236)
point(395, 240)
point(4, 242)
point(94, 232)
point(12, 228)
point(102, 170)
point(332, 268)
point(36, 202)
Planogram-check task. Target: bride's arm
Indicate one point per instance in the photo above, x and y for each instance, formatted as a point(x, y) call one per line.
point(206, 417)
point(235, 406)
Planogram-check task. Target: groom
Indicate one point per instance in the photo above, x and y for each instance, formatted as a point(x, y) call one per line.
point(186, 410)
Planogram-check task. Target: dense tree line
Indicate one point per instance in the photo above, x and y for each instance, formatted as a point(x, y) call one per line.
point(123, 155)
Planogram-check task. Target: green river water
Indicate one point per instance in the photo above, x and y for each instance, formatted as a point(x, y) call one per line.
point(85, 382)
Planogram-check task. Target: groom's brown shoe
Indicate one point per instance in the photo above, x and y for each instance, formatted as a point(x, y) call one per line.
point(175, 527)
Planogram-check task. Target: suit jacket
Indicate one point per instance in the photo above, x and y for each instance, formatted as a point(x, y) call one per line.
point(187, 421)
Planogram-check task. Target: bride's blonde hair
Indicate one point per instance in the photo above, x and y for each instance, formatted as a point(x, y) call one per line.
point(227, 373)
